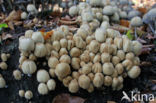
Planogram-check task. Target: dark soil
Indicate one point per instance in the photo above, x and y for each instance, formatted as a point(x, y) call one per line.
point(10, 93)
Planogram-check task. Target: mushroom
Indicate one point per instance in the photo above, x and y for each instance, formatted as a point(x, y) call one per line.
point(55, 54)
point(119, 68)
point(56, 45)
point(134, 72)
point(42, 89)
point(52, 62)
point(136, 22)
point(130, 56)
point(121, 54)
point(29, 67)
point(62, 70)
point(82, 32)
point(100, 35)
point(75, 63)
point(75, 52)
point(91, 88)
point(136, 61)
point(108, 10)
point(95, 2)
point(108, 80)
point(26, 44)
point(109, 41)
point(49, 47)
point(97, 58)
point(17, 74)
point(118, 42)
point(66, 81)
point(73, 86)
point(52, 72)
point(108, 68)
point(57, 35)
point(98, 80)
point(94, 46)
point(42, 76)
point(127, 44)
point(84, 81)
point(40, 50)
point(87, 16)
point(51, 84)
point(86, 69)
point(115, 17)
point(28, 94)
point(73, 11)
point(21, 93)
point(112, 33)
point(137, 47)
point(115, 83)
point(4, 57)
point(63, 51)
point(133, 13)
point(32, 9)
point(75, 75)
point(115, 60)
point(127, 64)
point(65, 59)
point(105, 25)
point(123, 14)
point(63, 43)
point(2, 82)
point(97, 68)
point(24, 15)
point(107, 48)
point(105, 57)
point(31, 57)
point(70, 44)
point(105, 18)
point(79, 42)
point(3, 66)
point(85, 56)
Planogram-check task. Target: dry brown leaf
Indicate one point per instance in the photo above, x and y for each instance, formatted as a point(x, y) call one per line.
point(66, 98)
point(11, 25)
point(124, 23)
point(14, 15)
point(6, 36)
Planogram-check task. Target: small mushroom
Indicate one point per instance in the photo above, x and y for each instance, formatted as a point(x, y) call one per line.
point(65, 59)
point(63, 43)
point(17, 74)
point(108, 10)
point(52, 72)
point(24, 15)
point(73, 11)
point(134, 72)
point(86, 69)
point(3, 66)
point(21, 93)
point(105, 57)
point(136, 22)
point(63, 51)
point(29, 67)
point(56, 45)
point(40, 50)
point(75, 63)
point(28, 94)
point(97, 58)
point(32, 9)
point(66, 81)
point(100, 35)
point(51, 84)
point(75, 75)
point(42, 76)
point(4, 57)
point(62, 70)
point(38, 37)
point(98, 80)
point(2, 82)
point(115, 60)
point(119, 68)
point(118, 42)
point(75, 52)
point(127, 64)
point(108, 68)
point(137, 47)
point(97, 68)
point(127, 44)
point(94, 46)
point(108, 80)
point(52, 62)
point(42, 89)
point(73, 86)
point(84, 81)
point(130, 56)
point(121, 54)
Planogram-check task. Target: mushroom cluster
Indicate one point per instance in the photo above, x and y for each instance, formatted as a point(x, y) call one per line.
point(93, 56)
point(4, 58)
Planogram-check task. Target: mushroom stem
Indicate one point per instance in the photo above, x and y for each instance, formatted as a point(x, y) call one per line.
point(28, 16)
point(135, 30)
point(151, 28)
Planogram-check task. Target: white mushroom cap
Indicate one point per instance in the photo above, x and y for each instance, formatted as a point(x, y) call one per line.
point(84, 81)
point(42, 89)
point(2, 82)
point(105, 57)
point(94, 46)
point(97, 68)
point(42, 76)
point(73, 86)
point(38, 37)
point(137, 47)
point(133, 13)
point(107, 80)
point(123, 14)
point(115, 17)
point(17, 74)
point(87, 16)
point(62, 70)
point(28, 94)
point(105, 18)
point(26, 44)
point(108, 68)
point(105, 25)
point(100, 35)
point(134, 72)
point(64, 29)
point(28, 33)
point(21, 93)
point(65, 59)
point(98, 80)
point(40, 50)
point(51, 84)
point(108, 10)
point(95, 2)
point(24, 15)
point(3, 66)
point(29, 67)
point(57, 35)
point(75, 63)
point(52, 62)
point(73, 11)
point(136, 21)
point(32, 9)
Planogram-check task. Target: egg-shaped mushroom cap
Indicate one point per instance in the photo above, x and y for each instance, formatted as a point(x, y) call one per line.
point(136, 21)
point(42, 76)
point(124, 2)
point(73, 11)
point(133, 13)
point(31, 7)
point(108, 10)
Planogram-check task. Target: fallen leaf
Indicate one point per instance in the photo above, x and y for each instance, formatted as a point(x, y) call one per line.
point(14, 15)
point(11, 25)
point(6, 36)
point(66, 98)
point(124, 23)
point(129, 34)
